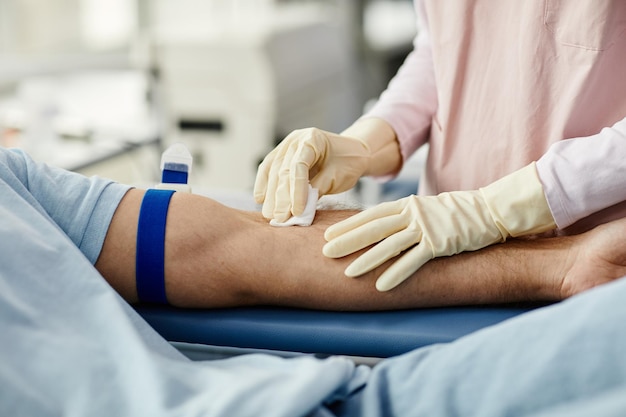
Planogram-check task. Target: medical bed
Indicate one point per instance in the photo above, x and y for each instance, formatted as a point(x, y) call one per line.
point(359, 334)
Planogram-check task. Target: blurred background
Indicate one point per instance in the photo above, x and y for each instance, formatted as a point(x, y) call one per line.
point(104, 86)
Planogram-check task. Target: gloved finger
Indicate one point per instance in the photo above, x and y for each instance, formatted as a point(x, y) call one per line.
point(260, 183)
point(282, 198)
point(272, 182)
point(262, 176)
point(404, 267)
point(299, 188)
point(364, 235)
point(305, 157)
point(359, 219)
point(381, 253)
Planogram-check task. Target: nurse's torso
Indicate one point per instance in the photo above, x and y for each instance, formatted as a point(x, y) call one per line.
point(515, 76)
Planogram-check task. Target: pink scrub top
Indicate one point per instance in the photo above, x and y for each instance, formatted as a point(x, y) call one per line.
point(491, 85)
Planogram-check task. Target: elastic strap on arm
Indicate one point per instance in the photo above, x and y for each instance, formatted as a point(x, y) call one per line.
point(150, 259)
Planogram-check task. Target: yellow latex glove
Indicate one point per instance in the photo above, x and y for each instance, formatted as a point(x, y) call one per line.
point(332, 163)
point(442, 225)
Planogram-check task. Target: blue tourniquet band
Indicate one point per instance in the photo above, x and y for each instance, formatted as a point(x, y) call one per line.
point(150, 259)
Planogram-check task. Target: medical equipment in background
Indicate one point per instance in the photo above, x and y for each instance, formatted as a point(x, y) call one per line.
point(231, 89)
point(95, 122)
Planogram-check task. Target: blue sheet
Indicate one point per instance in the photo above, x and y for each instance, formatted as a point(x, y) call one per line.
point(563, 360)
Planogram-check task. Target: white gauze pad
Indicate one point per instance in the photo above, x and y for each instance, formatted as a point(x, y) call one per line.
point(306, 218)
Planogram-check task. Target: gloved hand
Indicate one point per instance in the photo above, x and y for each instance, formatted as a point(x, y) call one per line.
point(331, 162)
point(334, 163)
point(442, 225)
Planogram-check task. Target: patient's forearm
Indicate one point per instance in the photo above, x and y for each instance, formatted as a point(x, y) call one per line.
point(516, 271)
point(217, 256)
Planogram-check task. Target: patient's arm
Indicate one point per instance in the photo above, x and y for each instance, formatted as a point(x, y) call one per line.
point(217, 256)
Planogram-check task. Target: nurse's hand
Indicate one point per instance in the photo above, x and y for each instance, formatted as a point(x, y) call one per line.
point(332, 163)
point(442, 225)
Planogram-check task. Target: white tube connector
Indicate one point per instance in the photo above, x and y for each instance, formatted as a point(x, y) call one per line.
point(176, 164)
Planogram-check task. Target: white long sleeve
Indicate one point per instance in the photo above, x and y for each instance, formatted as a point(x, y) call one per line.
point(584, 175)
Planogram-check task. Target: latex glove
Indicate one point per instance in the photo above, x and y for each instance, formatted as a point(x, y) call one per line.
point(442, 225)
point(332, 163)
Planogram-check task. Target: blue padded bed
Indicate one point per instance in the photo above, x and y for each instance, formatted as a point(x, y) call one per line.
point(367, 334)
